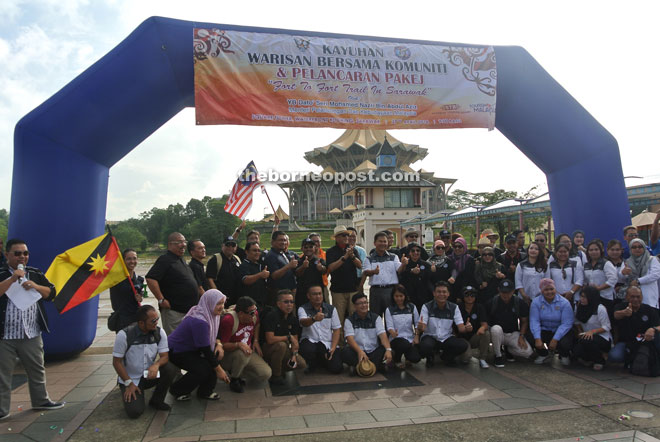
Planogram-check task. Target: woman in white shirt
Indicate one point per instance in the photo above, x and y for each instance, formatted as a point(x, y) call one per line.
point(642, 270)
point(401, 319)
point(566, 273)
point(530, 272)
point(593, 324)
point(600, 273)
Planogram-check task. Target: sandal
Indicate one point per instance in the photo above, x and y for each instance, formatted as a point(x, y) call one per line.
point(211, 397)
point(183, 397)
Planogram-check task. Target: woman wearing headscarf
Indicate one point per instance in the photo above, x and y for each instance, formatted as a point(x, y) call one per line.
point(463, 274)
point(194, 347)
point(444, 265)
point(642, 270)
point(487, 275)
point(601, 274)
point(594, 339)
point(530, 271)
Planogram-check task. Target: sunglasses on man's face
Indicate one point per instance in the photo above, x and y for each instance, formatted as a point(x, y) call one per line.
point(155, 320)
point(23, 252)
point(458, 246)
point(252, 312)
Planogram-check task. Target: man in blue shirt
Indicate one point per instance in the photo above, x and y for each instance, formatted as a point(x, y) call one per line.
point(551, 322)
point(655, 232)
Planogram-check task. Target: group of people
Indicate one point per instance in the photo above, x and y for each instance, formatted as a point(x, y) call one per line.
point(250, 314)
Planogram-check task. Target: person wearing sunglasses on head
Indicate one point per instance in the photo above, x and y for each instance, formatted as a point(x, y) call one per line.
point(20, 329)
point(281, 330)
point(239, 334)
point(567, 274)
point(140, 358)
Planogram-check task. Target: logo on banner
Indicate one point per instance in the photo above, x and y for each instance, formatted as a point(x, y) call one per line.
point(402, 52)
point(302, 44)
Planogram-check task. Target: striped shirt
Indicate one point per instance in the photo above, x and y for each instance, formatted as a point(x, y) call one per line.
point(21, 324)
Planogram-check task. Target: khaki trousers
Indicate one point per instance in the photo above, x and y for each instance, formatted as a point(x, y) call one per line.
point(171, 319)
point(278, 355)
point(342, 302)
point(31, 354)
point(238, 363)
point(477, 341)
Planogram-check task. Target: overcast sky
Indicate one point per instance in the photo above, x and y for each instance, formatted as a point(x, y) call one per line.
point(604, 53)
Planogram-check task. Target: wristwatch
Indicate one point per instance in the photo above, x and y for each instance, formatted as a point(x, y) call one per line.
point(127, 382)
point(388, 349)
point(160, 301)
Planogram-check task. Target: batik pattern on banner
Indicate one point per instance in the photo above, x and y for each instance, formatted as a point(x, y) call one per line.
point(262, 79)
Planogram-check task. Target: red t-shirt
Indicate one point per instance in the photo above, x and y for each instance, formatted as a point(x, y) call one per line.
point(244, 332)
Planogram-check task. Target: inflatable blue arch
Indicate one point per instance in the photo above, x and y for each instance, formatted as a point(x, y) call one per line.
point(63, 149)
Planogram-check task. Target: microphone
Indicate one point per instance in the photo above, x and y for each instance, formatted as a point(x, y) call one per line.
point(20, 267)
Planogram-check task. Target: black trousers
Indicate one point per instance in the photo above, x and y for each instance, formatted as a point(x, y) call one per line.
point(592, 349)
point(135, 408)
point(315, 355)
point(564, 346)
point(200, 374)
point(350, 356)
point(451, 347)
point(401, 347)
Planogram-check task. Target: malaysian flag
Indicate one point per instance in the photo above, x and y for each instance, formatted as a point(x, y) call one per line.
point(240, 199)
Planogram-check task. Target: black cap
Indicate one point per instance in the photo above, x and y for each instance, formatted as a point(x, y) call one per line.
point(307, 241)
point(469, 289)
point(230, 240)
point(445, 233)
point(511, 238)
point(506, 286)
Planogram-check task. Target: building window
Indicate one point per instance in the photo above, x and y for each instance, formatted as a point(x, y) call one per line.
point(395, 198)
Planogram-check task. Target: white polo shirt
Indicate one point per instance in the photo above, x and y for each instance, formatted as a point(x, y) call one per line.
point(364, 331)
point(387, 265)
point(319, 331)
point(439, 321)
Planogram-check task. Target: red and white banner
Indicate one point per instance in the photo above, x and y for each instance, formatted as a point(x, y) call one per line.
point(286, 80)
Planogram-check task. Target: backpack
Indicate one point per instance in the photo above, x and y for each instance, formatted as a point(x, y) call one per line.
point(218, 257)
point(133, 332)
point(646, 361)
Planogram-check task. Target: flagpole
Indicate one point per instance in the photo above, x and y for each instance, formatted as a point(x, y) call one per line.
point(121, 257)
point(267, 196)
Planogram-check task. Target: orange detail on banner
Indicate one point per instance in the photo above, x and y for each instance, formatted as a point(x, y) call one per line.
point(285, 80)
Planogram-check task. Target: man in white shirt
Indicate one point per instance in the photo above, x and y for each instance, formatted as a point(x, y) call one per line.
point(383, 269)
point(436, 320)
point(140, 357)
point(320, 332)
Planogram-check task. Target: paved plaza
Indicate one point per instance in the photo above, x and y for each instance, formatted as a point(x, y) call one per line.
point(519, 402)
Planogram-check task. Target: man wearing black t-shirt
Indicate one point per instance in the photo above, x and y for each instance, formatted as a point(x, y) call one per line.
point(508, 317)
point(476, 326)
point(637, 324)
point(253, 274)
point(226, 277)
point(281, 328)
point(342, 266)
point(310, 271)
point(173, 284)
point(197, 251)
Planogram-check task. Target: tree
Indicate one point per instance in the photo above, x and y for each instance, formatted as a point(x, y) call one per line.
point(129, 237)
point(4, 223)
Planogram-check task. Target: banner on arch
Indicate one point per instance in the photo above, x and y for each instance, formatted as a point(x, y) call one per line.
point(262, 79)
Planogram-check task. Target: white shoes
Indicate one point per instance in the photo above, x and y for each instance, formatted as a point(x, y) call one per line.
point(483, 363)
point(565, 361)
point(541, 359)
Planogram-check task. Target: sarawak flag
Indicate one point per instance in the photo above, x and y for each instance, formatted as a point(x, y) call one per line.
point(85, 271)
point(240, 198)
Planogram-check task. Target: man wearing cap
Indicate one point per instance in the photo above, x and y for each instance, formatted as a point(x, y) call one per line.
point(253, 275)
point(310, 271)
point(342, 266)
point(445, 237)
point(436, 323)
point(492, 237)
point(383, 269)
point(413, 236)
point(365, 336)
point(222, 271)
point(321, 330)
point(476, 326)
point(551, 322)
point(282, 265)
point(508, 317)
point(512, 257)
point(173, 283)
